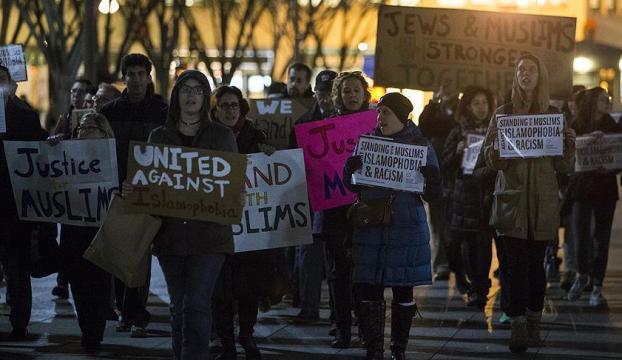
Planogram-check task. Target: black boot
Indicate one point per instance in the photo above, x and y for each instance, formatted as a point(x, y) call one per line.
point(228, 349)
point(372, 317)
point(401, 320)
point(250, 346)
point(342, 339)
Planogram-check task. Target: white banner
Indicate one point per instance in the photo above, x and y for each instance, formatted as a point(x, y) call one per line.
point(12, 56)
point(594, 153)
point(276, 213)
point(530, 136)
point(392, 165)
point(473, 146)
point(70, 183)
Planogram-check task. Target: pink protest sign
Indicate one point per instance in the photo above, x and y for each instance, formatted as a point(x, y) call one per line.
point(326, 146)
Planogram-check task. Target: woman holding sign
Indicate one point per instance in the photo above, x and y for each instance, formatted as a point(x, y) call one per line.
point(470, 250)
point(526, 211)
point(593, 194)
point(392, 252)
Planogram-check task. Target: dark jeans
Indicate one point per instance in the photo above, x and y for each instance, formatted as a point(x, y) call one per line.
point(374, 292)
point(440, 235)
point(477, 256)
point(311, 274)
point(504, 301)
point(190, 281)
point(15, 237)
point(456, 252)
point(339, 276)
point(132, 302)
point(524, 271)
point(592, 249)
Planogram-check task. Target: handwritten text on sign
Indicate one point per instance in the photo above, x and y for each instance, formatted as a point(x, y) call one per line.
point(70, 183)
point(424, 48)
point(473, 146)
point(327, 144)
point(187, 183)
point(276, 118)
point(390, 165)
point(525, 136)
point(276, 213)
point(593, 153)
point(12, 56)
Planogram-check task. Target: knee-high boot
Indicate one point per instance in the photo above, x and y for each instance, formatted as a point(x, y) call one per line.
point(372, 317)
point(401, 320)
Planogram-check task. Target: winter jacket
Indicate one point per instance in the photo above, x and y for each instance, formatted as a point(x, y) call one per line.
point(133, 122)
point(591, 186)
point(179, 237)
point(526, 196)
point(398, 254)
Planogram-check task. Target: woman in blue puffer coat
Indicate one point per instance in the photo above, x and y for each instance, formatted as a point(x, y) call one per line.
point(396, 255)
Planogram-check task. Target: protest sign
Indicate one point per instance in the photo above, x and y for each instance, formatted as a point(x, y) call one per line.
point(12, 56)
point(276, 213)
point(276, 118)
point(326, 145)
point(77, 114)
point(69, 183)
point(188, 183)
point(528, 136)
point(474, 144)
point(593, 153)
point(391, 165)
point(424, 48)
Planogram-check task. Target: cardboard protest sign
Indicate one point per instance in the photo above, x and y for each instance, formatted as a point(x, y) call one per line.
point(528, 136)
point(188, 183)
point(327, 144)
point(424, 48)
point(593, 153)
point(391, 165)
point(276, 213)
point(69, 183)
point(474, 144)
point(77, 114)
point(276, 118)
point(12, 56)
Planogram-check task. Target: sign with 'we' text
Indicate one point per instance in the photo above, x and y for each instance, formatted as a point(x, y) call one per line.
point(276, 118)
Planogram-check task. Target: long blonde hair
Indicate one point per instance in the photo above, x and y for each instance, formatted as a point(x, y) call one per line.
point(541, 93)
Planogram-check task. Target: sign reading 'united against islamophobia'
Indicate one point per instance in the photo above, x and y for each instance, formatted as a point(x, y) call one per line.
point(593, 153)
point(530, 136)
point(391, 165)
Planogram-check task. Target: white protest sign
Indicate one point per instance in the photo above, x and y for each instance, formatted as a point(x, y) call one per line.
point(390, 165)
point(12, 56)
point(473, 146)
point(276, 213)
point(530, 136)
point(593, 153)
point(70, 183)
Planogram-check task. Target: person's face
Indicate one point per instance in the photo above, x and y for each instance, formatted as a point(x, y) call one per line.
point(88, 101)
point(191, 96)
point(387, 121)
point(88, 129)
point(228, 109)
point(137, 80)
point(324, 100)
point(527, 75)
point(77, 92)
point(352, 94)
point(479, 107)
point(602, 104)
point(297, 83)
point(102, 96)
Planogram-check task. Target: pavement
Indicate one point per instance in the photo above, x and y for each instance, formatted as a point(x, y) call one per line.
point(448, 329)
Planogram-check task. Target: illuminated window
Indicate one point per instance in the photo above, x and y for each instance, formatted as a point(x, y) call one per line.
point(594, 4)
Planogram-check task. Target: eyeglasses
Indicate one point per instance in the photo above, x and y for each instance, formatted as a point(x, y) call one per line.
point(227, 106)
point(188, 91)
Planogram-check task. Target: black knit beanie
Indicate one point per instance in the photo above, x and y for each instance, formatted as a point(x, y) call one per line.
point(398, 103)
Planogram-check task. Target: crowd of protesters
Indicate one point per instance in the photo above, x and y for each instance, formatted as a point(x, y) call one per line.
point(514, 205)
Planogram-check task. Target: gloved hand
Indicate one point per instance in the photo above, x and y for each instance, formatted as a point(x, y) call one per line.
point(431, 173)
point(353, 163)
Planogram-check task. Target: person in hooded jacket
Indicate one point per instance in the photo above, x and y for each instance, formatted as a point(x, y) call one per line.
point(594, 195)
point(191, 253)
point(469, 231)
point(526, 207)
point(396, 255)
point(245, 276)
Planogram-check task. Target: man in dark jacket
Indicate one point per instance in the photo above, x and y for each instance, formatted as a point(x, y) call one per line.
point(22, 124)
point(132, 117)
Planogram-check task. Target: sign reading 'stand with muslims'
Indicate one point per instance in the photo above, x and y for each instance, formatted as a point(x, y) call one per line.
point(188, 183)
point(424, 48)
point(530, 136)
point(392, 165)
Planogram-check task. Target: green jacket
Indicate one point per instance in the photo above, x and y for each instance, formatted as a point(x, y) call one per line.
point(526, 201)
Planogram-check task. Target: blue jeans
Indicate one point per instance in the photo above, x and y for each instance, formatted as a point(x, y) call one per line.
point(311, 273)
point(190, 281)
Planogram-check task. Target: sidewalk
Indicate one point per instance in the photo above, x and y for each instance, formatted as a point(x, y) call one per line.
point(448, 330)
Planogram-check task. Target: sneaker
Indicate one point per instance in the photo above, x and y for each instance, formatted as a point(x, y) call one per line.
point(596, 297)
point(577, 287)
point(61, 292)
point(504, 319)
point(138, 332)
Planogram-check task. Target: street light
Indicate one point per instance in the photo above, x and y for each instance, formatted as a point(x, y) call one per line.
point(583, 65)
point(108, 6)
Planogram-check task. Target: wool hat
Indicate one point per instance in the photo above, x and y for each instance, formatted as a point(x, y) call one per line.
point(398, 103)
